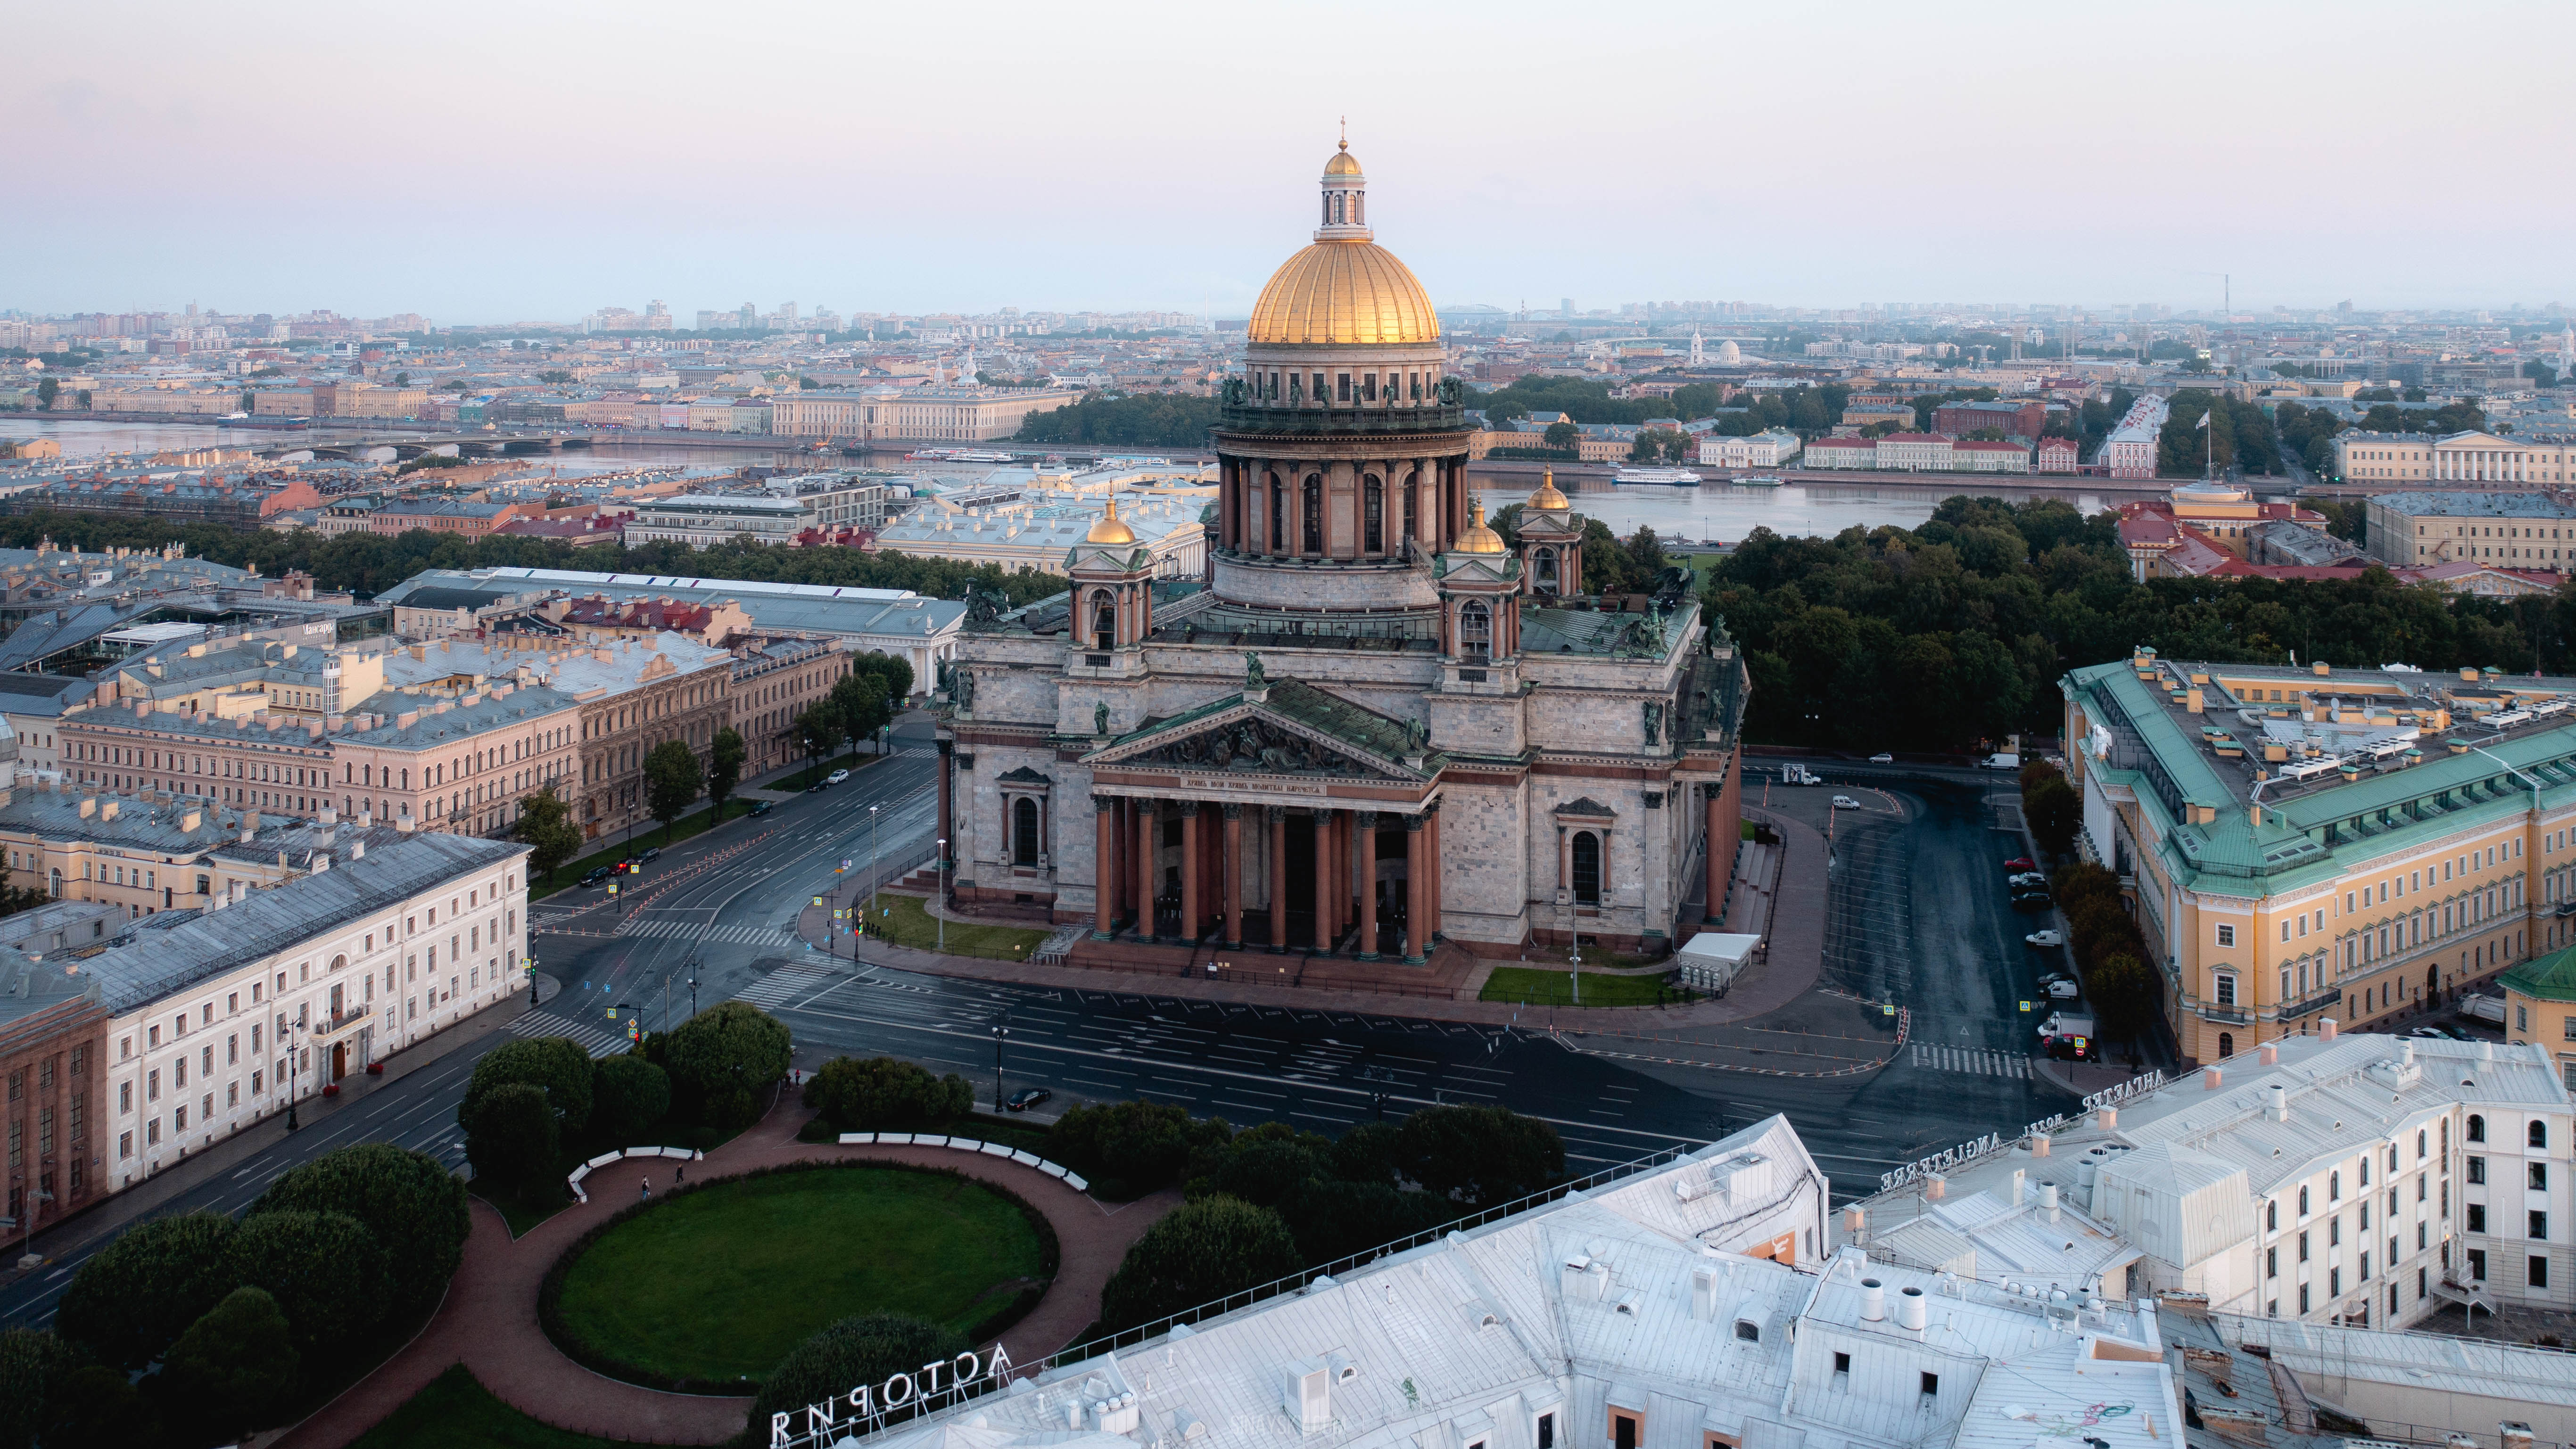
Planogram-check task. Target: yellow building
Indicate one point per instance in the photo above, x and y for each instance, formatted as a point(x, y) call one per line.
point(2459, 458)
point(2540, 1008)
point(944, 415)
point(2303, 844)
point(2510, 529)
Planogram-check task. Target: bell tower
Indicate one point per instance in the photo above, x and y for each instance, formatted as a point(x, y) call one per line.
point(1113, 588)
point(1551, 542)
point(1345, 216)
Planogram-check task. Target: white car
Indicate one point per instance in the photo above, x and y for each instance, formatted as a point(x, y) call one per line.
point(1882, 759)
point(836, 777)
point(1845, 802)
point(2063, 991)
point(2046, 938)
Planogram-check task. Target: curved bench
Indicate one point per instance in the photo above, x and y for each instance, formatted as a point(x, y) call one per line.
point(1071, 1178)
point(573, 1179)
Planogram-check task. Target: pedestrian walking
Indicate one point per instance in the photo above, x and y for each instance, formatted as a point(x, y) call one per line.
point(647, 1191)
point(683, 1171)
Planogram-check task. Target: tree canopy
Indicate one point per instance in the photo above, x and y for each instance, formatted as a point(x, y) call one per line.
point(1138, 420)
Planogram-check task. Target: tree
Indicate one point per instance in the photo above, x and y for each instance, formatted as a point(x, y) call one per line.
point(1480, 1156)
point(326, 1271)
point(859, 700)
point(33, 1366)
point(867, 1349)
point(724, 765)
point(2053, 810)
point(720, 1060)
point(673, 781)
point(556, 1065)
point(896, 673)
point(514, 1141)
point(97, 1407)
point(1198, 1253)
point(409, 1200)
point(818, 729)
point(628, 1095)
point(1128, 1149)
point(545, 823)
point(1562, 435)
point(856, 1095)
point(2125, 996)
point(1157, 420)
point(402, 379)
point(231, 1371)
point(47, 390)
point(135, 1296)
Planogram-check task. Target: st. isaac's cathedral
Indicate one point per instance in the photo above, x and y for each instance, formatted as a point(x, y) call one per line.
point(1375, 726)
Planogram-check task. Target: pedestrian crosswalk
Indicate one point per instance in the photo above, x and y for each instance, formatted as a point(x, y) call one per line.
point(599, 1041)
point(761, 936)
point(1979, 1061)
point(786, 984)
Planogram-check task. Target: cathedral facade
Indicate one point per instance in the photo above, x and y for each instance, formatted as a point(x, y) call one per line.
point(1375, 726)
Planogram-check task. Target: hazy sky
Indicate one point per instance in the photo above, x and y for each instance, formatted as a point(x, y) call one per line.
point(495, 162)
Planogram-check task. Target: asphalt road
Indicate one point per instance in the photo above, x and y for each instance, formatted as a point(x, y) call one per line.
point(1919, 917)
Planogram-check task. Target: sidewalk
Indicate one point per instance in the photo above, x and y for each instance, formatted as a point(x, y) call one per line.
point(488, 1321)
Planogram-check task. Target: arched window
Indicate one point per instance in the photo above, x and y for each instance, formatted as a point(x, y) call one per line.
point(2272, 1216)
point(2419, 1144)
point(1475, 631)
point(2477, 1128)
point(2539, 1133)
point(1373, 514)
point(2226, 1044)
point(1587, 868)
point(2334, 1187)
point(1024, 831)
point(1543, 569)
point(1312, 506)
point(1104, 619)
point(2303, 1199)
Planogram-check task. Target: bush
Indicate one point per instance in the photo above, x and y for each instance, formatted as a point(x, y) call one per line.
point(1334, 1219)
point(628, 1096)
point(97, 1407)
point(326, 1271)
point(1128, 1149)
point(1367, 1153)
point(881, 1093)
point(721, 1060)
point(2053, 811)
point(414, 1207)
point(1200, 1252)
point(1480, 1156)
point(230, 1372)
point(512, 1140)
point(2126, 995)
point(134, 1297)
point(33, 1366)
point(866, 1349)
point(557, 1065)
point(1265, 1165)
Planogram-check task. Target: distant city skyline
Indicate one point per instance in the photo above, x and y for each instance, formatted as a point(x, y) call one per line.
point(891, 162)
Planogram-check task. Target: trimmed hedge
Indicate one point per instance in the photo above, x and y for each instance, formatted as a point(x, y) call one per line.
point(550, 1291)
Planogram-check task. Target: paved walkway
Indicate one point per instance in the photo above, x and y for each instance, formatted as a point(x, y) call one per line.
point(489, 1319)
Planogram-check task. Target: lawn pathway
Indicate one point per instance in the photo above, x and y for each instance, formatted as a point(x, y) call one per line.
point(489, 1319)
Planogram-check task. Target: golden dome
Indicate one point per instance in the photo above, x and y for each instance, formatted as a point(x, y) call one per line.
point(1478, 538)
point(1343, 163)
point(1547, 496)
point(1350, 292)
point(1108, 529)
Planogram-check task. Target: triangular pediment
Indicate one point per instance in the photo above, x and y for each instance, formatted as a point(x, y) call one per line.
point(1292, 729)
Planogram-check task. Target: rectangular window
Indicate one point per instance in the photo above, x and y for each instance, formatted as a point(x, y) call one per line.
point(2539, 1224)
point(1547, 1431)
point(2538, 1269)
point(1931, 1384)
point(2227, 935)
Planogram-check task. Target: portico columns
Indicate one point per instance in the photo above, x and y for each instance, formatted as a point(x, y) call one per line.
point(1147, 885)
point(1278, 879)
point(1431, 885)
point(1190, 844)
point(1364, 828)
point(1417, 919)
point(1104, 809)
point(1233, 877)
point(1721, 855)
point(1324, 934)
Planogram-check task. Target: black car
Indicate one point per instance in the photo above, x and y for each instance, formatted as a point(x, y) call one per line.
point(651, 853)
point(1027, 1097)
point(761, 808)
point(599, 875)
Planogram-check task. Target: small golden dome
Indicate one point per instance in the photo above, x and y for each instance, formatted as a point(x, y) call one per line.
point(1350, 292)
point(1547, 496)
point(1478, 538)
point(1108, 529)
point(1343, 163)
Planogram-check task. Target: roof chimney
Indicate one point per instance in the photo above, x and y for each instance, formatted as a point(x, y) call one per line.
point(1911, 1310)
point(2270, 1056)
point(2106, 1119)
point(2211, 1079)
point(2039, 1144)
point(1873, 1301)
point(2276, 1100)
point(2326, 1028)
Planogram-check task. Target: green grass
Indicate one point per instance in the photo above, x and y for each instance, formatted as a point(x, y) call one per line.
point(696, 822)
point(692, 1288)
point(1539, 986)
point(456, 1412)
point(905, 921)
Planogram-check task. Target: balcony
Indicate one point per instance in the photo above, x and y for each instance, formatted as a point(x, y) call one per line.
point(1401, 418)
point(2313, 1004)
point(2225, 1015)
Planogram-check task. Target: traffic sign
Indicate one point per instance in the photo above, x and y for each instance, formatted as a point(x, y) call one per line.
point(2025, 1006)
point(1887, 1008)
point(612, 1013)
point(818, 900)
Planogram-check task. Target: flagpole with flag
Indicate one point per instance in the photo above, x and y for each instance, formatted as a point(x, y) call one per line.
point(2209, 469)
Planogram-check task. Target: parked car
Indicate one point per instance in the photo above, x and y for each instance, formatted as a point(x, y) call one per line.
point(2051, 937)
point(761, 807)
point(2435, 1032)
point(651, 853)
point(2027, 880)
point(1027, 1097)
point(817, 785)
point(1845, 802)
point(2035, 899)
point(2020, 865)
point(2458, 1032)
point(1882, 758)
point(631, 865)
point(2074, 1049)
point(836, 777)
point(2062, 989)
point(599, 875)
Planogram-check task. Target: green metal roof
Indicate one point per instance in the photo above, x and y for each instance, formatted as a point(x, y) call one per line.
point(2550, 978)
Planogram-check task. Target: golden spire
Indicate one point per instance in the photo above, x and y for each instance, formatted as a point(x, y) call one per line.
point(1478, 538)
point(1108, 529)
point(1547, 497)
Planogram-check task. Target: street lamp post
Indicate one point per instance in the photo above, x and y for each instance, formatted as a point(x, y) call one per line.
point(872, 876)
point(1001, 1034)
point(293, 1052)
point(943, 912)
